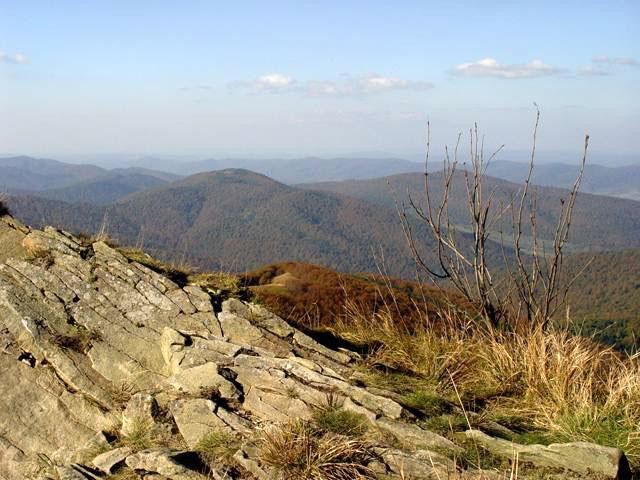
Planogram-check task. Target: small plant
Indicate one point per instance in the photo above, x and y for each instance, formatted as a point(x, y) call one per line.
point(124, 473)
point(217, 448)
point(122, 393)
point(140, 436)
point(291, 392)
point(297, 451)
point(341, 422)
point(42, 258)
point(332, 417)
point(80, 339)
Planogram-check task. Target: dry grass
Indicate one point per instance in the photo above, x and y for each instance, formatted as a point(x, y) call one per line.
point(216, 449)
point(550, 380)
point(297, 451)
point(177, 273)
point(222, 281)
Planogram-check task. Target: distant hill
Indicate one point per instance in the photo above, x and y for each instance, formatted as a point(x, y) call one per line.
point(621, 182)
point(239, 220)
point(600, 222)
point(27, 173)
point(102, 190)
point(300, 170)
point(75, 182)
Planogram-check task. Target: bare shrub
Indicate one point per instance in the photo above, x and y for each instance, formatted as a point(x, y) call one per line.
point(532, 288)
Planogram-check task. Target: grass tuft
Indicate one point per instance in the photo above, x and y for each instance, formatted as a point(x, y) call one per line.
point(216, 449)
point(140, 436)
point(297, 451)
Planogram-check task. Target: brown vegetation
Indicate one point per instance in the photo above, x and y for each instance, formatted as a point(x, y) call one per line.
point(297, 451)
point(316, 297)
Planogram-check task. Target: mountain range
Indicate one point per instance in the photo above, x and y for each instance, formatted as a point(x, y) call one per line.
point(71, 182)
point(599, 222)
point(237, 220)
point(623, 181)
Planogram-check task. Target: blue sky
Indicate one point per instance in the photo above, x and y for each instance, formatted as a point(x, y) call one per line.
point(262, 78)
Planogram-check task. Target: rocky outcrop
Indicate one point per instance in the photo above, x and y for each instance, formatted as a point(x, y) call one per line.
point(106, 364)
point(579, 457)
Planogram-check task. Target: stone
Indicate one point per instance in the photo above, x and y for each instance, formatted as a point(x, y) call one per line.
point(181, 299)
point(163, 461)
point(250, 465)
point(421, 464)
point(107, 461)
point(198, 298)
point(69, 473)
point(579, 457)
point(204, 378)
point(141, 409)
point(414, 436)
point(195, 418)
point(182, 351)
point(275, 407)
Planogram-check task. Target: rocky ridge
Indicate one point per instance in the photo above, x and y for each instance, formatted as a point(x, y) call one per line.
point(96, 349)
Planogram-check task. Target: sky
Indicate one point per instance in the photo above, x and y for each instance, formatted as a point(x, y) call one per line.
point(326, 78)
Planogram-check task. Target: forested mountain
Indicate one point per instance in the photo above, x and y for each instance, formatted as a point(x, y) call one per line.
point(75, 182)
point(27, 173)
point(239, 220)
point(621, 182)
point(599, 222)
point(303, 170)
point(605, 298)
point(102, 190)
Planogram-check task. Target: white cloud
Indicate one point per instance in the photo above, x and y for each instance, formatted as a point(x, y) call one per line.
point(346, 86)
point(274, 80)
point(490, 67)
point(624, 61)
point(358, 86)
point(17, 58)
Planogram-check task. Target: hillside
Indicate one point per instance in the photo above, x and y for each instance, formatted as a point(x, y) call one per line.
point(111, 370)
point(313, 296)
point(107, 188)
point(238, 220)
point(301, 170)
point(75, 183)
point(27, 173)
point(605, 299)
point(622, 181)
point(599, 222)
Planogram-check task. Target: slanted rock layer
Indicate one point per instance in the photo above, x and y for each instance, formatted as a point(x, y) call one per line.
point(98, 354)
